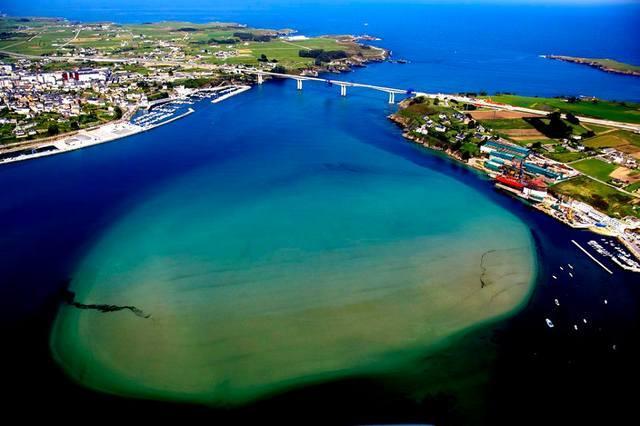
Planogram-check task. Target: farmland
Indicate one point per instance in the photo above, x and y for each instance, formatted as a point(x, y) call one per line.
point(608, 110)
point(212, 43)
point(599, 195)
point(595, 167)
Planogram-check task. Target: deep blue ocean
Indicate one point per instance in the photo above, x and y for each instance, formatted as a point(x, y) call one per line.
point(56, 210)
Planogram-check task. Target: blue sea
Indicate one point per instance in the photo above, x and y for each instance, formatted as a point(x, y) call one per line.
point(299, 259)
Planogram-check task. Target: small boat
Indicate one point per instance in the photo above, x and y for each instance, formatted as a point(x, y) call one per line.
point(570, 274)
point(569, 265)
point(584, 320)
point(561, 268)
point(549, 323)
point(605, 301)
point(575, 327)
point(557, 302)
point(554, 277)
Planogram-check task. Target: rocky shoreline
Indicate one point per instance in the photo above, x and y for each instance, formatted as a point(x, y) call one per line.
point(594, 63)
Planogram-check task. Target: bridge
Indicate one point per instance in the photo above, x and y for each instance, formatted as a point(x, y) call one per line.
point(342, 84)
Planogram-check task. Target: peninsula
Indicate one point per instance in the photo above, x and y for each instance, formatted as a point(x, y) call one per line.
point(607, 65)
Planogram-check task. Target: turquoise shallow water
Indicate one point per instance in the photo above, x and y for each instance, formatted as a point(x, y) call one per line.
point(299, 249)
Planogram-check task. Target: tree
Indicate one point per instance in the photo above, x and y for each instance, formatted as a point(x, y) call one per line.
point(53, 130)
point(279, 69)
point(117, 111)
point(75, 125)
point(556, 127)
point(572, 118)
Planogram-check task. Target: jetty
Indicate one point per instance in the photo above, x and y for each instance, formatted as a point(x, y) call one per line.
point(591, 256)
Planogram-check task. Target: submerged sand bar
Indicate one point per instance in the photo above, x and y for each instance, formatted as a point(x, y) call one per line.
point(312, 280)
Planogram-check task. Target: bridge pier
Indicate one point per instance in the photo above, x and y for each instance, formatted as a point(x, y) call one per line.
point(299, 84)
point(260, 78)
point(343, 90)
point(392, 98)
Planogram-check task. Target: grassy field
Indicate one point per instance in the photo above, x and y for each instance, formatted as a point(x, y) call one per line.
point(595, 167)
point(633, 187)
point(565, 157)
point(616, 138)
point(601, 196)
point(626, 112)
point(506, 123)
point(286, 53)
point(596, 129)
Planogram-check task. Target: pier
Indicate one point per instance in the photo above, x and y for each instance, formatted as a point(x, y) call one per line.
point(591, 256)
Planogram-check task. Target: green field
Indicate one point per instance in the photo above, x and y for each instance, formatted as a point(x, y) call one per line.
point(600, 196)
point(633, 187)
point(616, 138)
point(286, 53)
point(595, 167)
point(506, 123)
point(597, 129)
point(625, 112)
point(566, 156)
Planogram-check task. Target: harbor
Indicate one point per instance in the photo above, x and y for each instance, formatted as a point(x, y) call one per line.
point(142, 120)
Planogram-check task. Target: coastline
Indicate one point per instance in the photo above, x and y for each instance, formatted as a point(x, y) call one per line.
point(595, 63)
point(107, 132)
point(472, 163)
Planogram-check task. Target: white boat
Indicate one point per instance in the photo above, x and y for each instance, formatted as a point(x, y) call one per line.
point(605, 301)
point(575, 327)
point(549, 323)
point(569, 265)
point(556, 302)
point(570, 274)
point(554, 277)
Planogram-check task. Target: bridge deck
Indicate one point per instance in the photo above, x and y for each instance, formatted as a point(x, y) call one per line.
point(330, 81)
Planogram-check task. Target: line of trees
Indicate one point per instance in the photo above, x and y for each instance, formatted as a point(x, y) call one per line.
point(247, 36)
point(322, 56)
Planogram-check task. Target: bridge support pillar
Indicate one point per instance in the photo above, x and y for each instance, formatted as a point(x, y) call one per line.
point(299, 84)
point(343, 90)
point(260, 79)
point(392, 98)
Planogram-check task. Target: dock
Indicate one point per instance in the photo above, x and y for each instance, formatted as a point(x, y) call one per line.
point(591, 256)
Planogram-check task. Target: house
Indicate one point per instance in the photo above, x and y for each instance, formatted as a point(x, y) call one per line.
point(422, 130)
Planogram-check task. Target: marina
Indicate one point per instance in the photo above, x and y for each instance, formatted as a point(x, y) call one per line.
point(142, 121)
point(591, 256)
